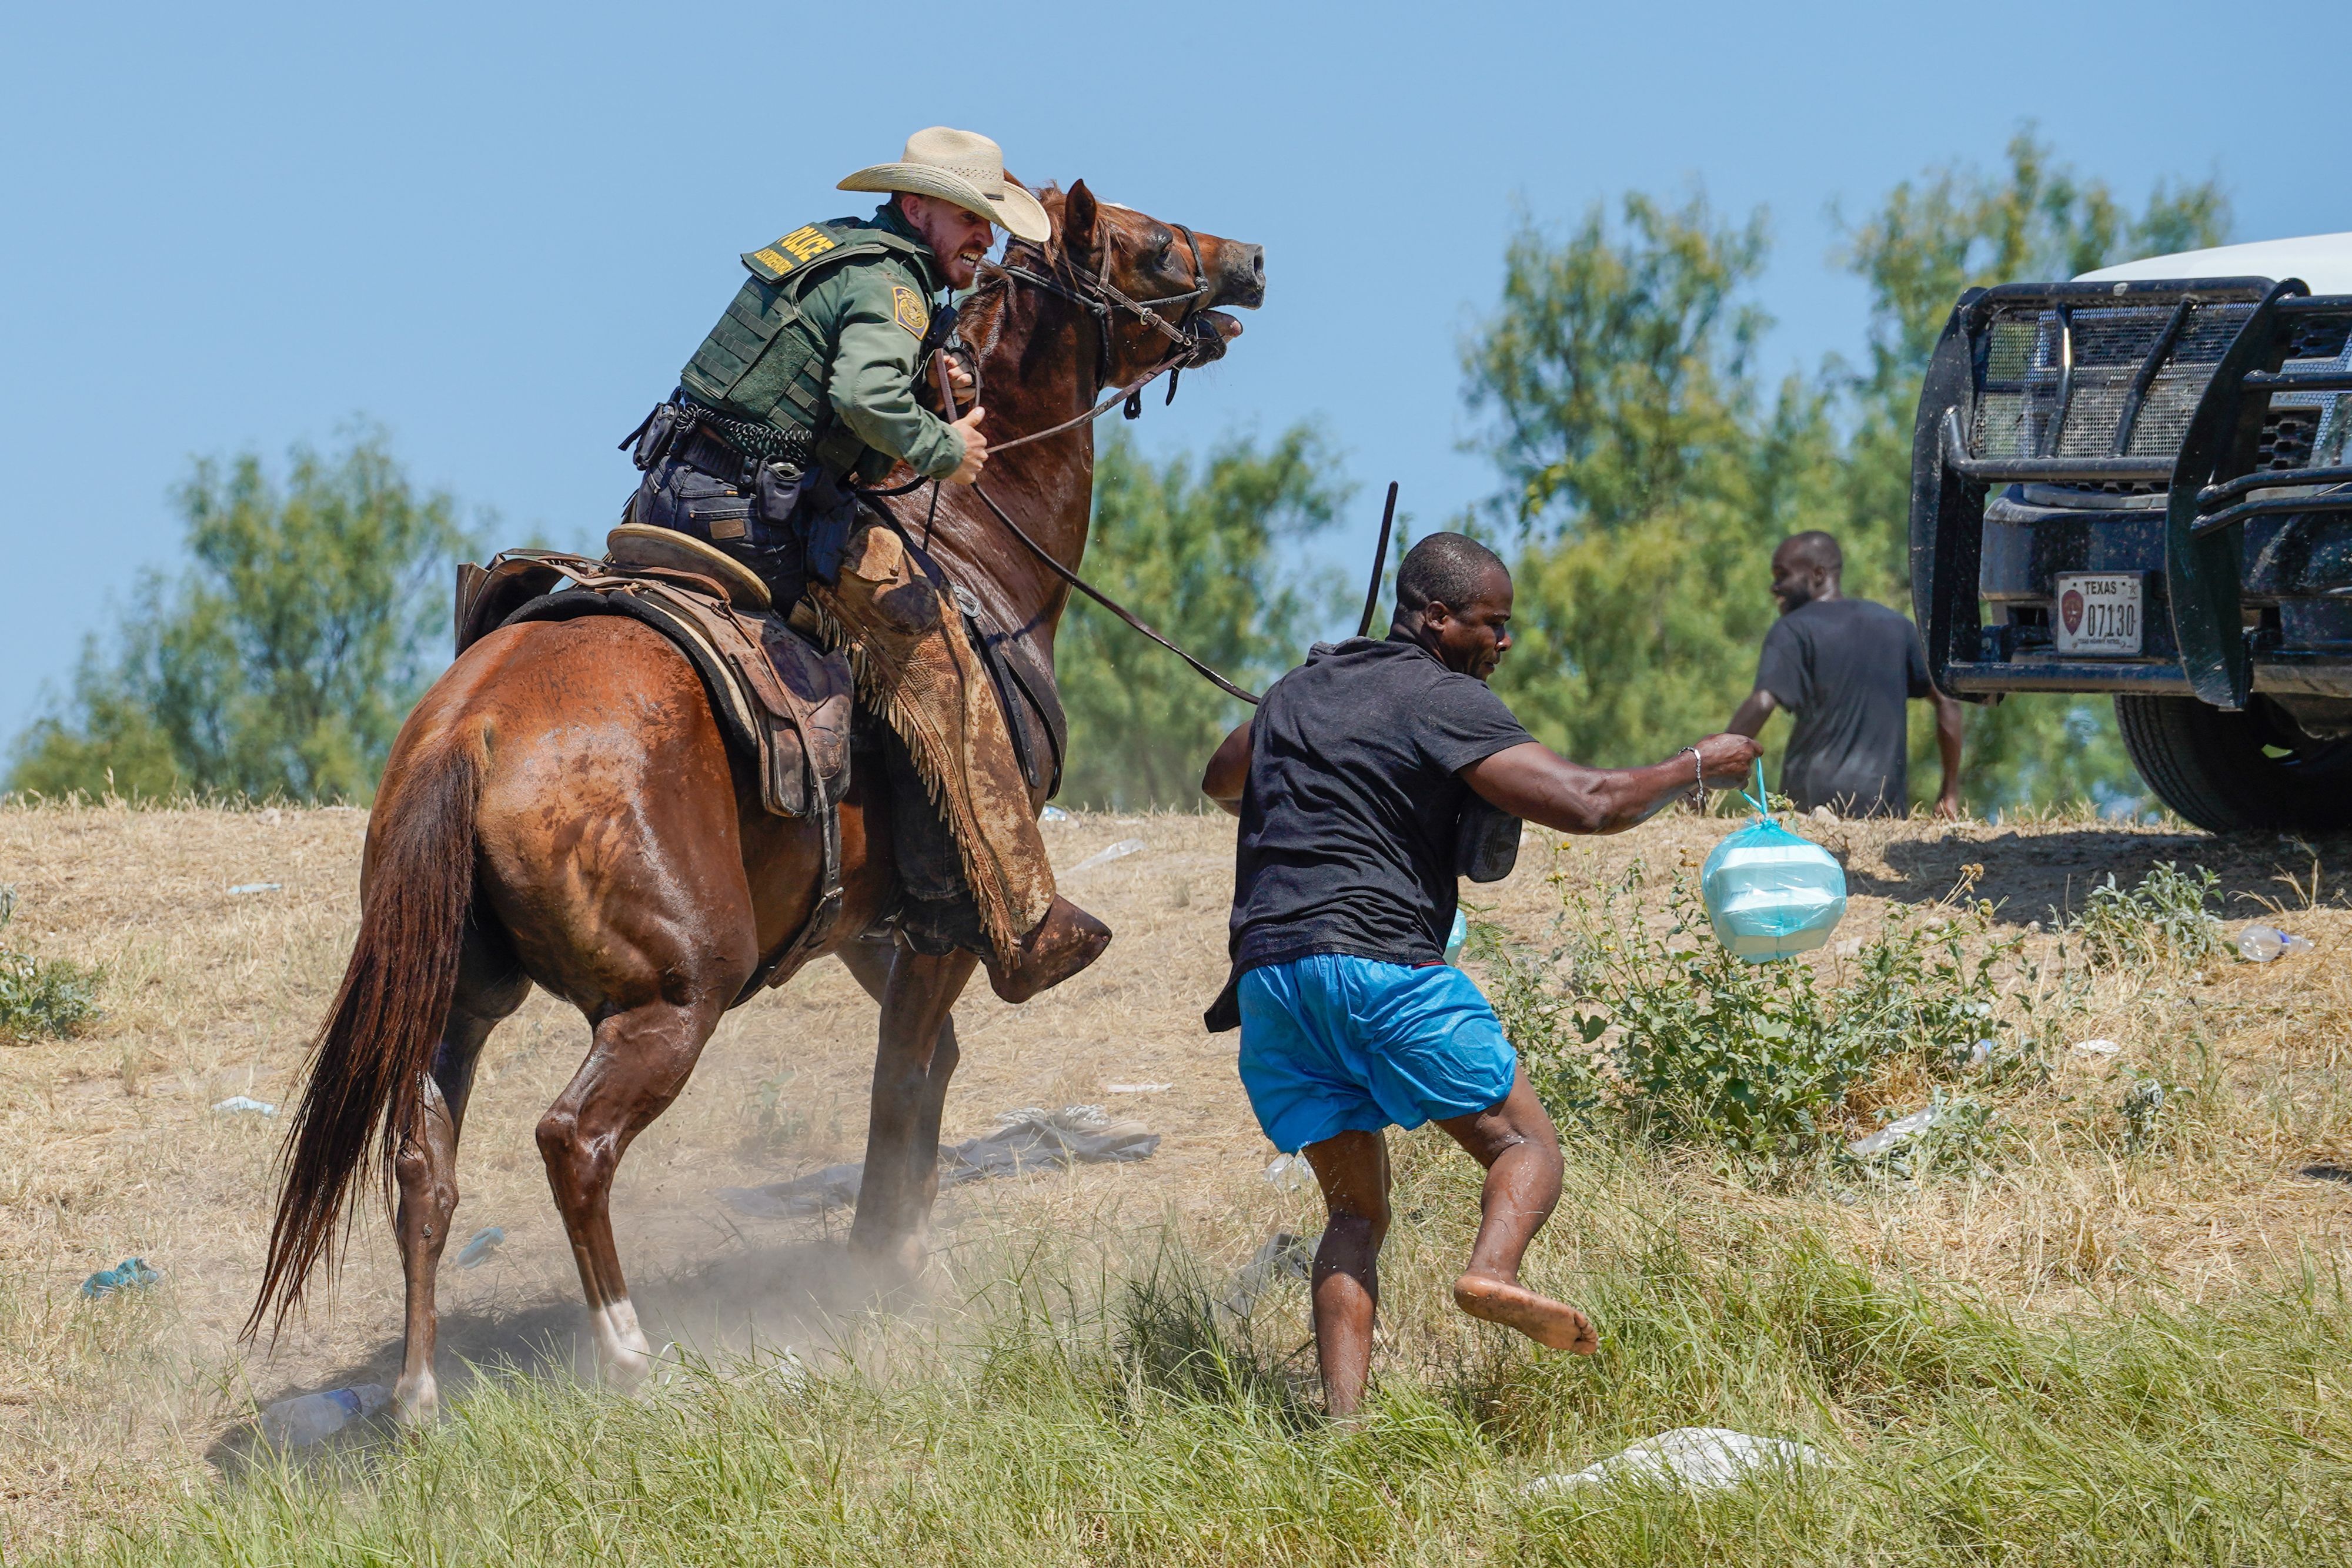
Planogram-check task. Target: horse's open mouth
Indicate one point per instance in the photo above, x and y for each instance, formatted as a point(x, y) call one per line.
point(1227, 328)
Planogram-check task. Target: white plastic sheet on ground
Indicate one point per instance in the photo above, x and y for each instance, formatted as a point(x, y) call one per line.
point(1030, 1139)
point(1703, 1458)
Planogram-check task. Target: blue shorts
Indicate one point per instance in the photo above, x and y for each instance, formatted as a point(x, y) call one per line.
point(1337, 1044)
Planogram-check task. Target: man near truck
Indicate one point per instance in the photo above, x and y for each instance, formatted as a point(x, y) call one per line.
point(1351, 783)
point(1845, 668)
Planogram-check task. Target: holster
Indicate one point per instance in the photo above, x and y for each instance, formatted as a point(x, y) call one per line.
point(827, 513)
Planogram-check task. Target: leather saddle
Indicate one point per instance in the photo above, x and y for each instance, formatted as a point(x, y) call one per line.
point(782, 703)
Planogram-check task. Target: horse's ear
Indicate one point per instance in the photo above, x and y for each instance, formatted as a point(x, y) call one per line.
point(1078, 218)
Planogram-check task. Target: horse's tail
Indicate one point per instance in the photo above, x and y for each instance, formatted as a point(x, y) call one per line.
point(368, 1063)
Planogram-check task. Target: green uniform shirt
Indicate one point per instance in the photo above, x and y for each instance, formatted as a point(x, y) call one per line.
point(822, 338)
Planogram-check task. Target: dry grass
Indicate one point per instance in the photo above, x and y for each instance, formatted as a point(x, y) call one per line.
point(108, 1149)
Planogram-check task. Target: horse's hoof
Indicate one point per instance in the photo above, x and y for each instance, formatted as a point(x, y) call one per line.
point(417, 1402)
point(896, 1261)
point(623, 1359)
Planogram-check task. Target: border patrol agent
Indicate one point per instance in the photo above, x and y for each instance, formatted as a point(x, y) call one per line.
point(805, 390)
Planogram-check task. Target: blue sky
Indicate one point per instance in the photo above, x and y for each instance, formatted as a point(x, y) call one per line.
point(499, 229)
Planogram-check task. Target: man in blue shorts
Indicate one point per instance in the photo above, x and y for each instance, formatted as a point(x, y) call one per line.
point(1351, 783)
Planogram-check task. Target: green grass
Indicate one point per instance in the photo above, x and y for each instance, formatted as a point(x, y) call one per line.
point(1087, 1404)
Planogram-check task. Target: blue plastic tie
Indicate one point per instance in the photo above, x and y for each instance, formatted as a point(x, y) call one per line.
point(1763, 812)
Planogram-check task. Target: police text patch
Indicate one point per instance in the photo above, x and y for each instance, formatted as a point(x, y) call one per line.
point(795, 247)
point(906, 307)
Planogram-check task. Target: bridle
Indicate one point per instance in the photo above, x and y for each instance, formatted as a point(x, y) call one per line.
point(1192, 341)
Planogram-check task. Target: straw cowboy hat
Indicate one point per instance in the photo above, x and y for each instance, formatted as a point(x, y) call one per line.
point(962, 167)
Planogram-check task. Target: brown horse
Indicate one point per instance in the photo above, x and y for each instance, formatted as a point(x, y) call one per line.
point(560, 810)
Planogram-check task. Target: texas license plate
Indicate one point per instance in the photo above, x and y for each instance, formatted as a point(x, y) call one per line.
point(2099, 612)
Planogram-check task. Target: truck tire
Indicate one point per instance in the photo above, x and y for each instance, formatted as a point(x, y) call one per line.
point(2228, 772)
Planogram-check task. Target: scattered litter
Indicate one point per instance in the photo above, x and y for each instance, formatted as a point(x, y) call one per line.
point(245, 1104)
point(1136, 1088)
point(1283, 1257)
point(1705, 1459)
point(2325, 1173)
point(1290, 1172)
point(1027, 1140)
point(2261, 943)
point(1980, 1053)
point(257, 887)
point(1119, 851)
point(311, 1418)
point(480, 1246)
point(1456, 937)
point(1896, 1131)
point(130, 1274)
point(1053, 814)
point(2096, 1048)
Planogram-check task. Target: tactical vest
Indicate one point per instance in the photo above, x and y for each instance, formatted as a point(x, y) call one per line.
point(767, 361)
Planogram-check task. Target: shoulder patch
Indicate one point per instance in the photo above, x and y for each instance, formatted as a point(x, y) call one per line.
point(906, 307)
point(779, 257)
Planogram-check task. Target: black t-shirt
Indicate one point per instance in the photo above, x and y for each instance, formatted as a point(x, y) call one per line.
point(1844, 667)
point(1352, 810)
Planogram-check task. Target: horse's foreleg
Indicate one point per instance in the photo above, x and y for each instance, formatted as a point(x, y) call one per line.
point(916, 1056)
point(637, 1065)
point(426, 1171)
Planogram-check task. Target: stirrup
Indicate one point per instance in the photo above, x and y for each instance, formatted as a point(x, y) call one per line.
point(641, 544)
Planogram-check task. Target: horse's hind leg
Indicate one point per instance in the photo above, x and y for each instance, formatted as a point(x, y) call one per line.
point(488, 988)
point(915, 1057)
point(637, 1065)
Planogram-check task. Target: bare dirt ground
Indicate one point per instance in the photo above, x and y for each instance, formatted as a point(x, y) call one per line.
point(108, 1146)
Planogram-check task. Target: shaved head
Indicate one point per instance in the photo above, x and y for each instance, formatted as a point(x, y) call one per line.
point(1454, 597)
point(1444, 568)
point(1813, 549)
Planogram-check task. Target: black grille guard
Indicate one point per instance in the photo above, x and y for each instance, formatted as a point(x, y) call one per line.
point(2084, 383)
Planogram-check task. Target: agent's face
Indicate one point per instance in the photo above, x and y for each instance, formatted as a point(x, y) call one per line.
point(1473, 638)
point(959, 239)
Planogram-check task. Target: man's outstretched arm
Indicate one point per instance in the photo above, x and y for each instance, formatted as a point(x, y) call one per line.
point(1534, 782)
point(1227, 774)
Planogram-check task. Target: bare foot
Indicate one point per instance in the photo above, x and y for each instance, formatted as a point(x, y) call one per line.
point(1506, 1301)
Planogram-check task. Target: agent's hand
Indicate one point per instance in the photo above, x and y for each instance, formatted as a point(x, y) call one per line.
point(958, 379)
point(975, 448)
point(1725, 760)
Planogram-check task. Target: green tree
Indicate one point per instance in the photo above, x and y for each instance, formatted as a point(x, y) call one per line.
point(1194, 549)
point(1640, 483)
point(282, 660)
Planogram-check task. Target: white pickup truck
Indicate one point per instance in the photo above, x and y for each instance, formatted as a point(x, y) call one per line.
point(2139, 482)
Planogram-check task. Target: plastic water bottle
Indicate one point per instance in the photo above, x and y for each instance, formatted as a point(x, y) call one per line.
point(311, 1418)
point(2261, 943)
point(1289, 1172)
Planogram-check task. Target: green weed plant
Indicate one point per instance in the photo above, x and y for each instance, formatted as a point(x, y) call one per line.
point(2160, 923)
point(1657, 1028)
point(41, 999)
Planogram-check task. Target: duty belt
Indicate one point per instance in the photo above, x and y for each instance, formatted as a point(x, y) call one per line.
point(751, 438)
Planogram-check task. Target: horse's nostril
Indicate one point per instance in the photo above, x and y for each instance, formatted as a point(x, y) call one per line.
point(1257, 262)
